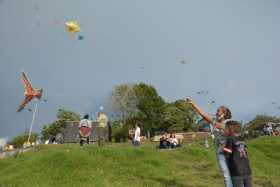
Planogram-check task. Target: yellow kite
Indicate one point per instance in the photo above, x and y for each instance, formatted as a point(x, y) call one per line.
point(72, 27)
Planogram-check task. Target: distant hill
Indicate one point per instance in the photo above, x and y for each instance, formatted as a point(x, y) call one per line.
point(124, 165)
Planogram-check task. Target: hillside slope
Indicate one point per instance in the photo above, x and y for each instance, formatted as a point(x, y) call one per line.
point(124, 165)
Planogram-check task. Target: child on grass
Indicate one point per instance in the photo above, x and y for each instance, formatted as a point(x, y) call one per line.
point(236, 155)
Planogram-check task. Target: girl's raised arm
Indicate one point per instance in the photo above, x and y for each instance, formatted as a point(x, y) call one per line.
point(203, 114)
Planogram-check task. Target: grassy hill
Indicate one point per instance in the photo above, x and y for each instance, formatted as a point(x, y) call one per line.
point(124, 165)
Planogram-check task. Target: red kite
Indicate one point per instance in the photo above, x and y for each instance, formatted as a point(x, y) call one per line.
point(29, 92)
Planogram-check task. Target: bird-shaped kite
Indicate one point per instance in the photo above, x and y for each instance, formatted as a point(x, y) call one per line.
point(29, 92)
point(72, 27)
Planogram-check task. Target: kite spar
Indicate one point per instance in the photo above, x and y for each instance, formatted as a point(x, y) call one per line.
point(32, 122)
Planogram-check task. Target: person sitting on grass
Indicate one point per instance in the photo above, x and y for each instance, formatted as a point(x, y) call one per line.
point(237, 156)
point(265, 130)
point(166, 142)
point(163, 141)
point(270, 130)
point(173, 141)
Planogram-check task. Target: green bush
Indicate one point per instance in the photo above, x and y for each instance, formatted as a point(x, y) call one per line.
point(19, 140)
point(57, 126)
point(120, 133)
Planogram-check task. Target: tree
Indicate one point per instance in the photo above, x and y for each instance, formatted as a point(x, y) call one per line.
point(259, 121)
point(150, 107)
point(134, 103)
point(120, 131)
point(255, 126)
point(67, 115)
point(63, 116)
point(141, 103)
point(19, 140)
point(123, 102)
point(178, 117)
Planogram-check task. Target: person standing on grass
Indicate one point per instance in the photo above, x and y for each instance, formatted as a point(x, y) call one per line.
point(270, 130)
point(102, 128)
point(222, 114)
point(237, 156)
point(137, 136)
point(85, 130)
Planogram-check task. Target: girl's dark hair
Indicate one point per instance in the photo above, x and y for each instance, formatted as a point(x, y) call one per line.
point(227, 112)
point(86, 116)
point(139, 124)
point(234, 126)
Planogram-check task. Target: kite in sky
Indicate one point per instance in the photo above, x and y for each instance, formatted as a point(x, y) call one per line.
point(72, 27)
point(80, 37)
point(203, 92)
point(29, 92)
point(187, 61)
point(183, 62)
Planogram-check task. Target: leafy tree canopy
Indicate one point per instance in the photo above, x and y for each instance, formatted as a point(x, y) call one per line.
point(63, 116)
point(19, 140)
point(141, 103)
point(259, 121)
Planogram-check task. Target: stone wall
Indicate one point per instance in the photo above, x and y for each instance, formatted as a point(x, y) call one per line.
point(71, 133)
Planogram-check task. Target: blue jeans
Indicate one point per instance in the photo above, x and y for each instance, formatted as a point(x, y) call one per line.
point(136, 143)
point(224, 169)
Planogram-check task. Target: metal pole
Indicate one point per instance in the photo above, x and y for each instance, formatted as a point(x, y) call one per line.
point(32, 122)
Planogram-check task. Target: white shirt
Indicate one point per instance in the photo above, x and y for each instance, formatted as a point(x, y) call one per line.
point(85, 123)
point(137, 134)
point(174, 141)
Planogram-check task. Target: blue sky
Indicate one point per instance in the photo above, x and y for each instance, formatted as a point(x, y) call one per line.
point(231, 49)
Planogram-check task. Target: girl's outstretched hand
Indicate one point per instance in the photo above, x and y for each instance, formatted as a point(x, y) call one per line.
point(189, 100)
point(203, 114)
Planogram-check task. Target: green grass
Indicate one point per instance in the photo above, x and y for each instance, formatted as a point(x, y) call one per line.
point(124, 165)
